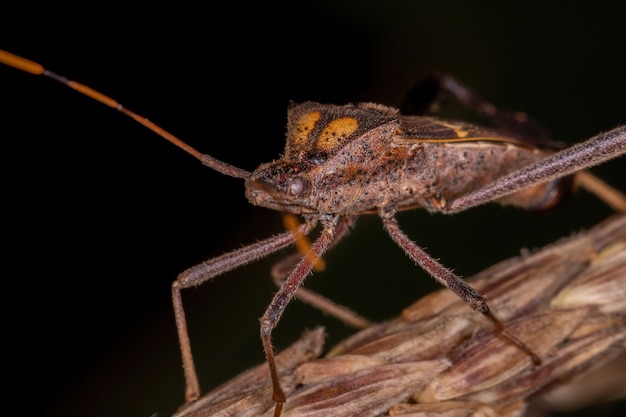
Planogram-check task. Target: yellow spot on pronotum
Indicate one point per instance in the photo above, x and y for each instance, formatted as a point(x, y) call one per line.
point(305, 126)
point(335, 132)
point(302, 242)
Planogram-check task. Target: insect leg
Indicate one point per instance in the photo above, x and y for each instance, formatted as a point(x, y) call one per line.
point(303, 244)
point(611, 196)
point(282, 269)
point(277, 306)
point(450, 280)
point(207, 270)
point(594, 151)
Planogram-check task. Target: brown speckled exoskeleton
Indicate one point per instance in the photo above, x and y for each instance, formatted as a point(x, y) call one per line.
point(343, 161)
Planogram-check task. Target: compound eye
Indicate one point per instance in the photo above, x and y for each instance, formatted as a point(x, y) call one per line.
point(296, 187)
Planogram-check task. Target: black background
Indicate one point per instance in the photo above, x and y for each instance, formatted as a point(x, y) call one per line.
point(100, 215)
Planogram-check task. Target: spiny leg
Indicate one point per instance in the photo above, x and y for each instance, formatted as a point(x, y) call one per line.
point(207, 270)
point(282, 269)
point(450, 280)
point(281, 299)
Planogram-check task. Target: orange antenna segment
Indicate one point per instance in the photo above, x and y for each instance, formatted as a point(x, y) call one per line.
point(37, 69)
point(20, 63)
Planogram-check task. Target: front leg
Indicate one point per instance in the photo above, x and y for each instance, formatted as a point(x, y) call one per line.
point(282, 269)
point(281, 299)
point(205, 271)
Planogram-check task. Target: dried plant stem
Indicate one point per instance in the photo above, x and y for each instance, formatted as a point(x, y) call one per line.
point(567, 302)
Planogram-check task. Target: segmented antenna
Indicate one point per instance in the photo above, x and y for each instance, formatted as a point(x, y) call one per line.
point(37, 69)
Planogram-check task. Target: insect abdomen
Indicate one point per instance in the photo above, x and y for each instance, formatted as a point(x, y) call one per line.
point(459, 168)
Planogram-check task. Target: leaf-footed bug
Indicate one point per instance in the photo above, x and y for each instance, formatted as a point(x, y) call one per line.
point(342, 161)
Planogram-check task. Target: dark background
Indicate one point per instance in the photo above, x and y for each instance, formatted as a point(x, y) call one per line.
point(101, 215)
